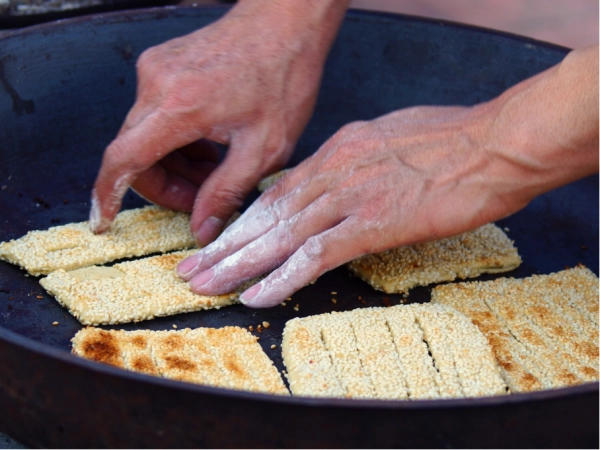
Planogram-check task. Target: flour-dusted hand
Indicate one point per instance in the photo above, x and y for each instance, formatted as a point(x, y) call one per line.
point(249, 80)
point(413, 175)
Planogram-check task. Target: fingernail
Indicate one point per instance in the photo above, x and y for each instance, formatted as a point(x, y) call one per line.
point(249, 295)
point(202, 279)
point(187, 265)
point(209, 231)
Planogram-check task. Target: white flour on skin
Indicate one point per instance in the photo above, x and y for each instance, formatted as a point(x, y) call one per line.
point(99, 223)
point(96, 221)
point(250, 226)
point(283, 282)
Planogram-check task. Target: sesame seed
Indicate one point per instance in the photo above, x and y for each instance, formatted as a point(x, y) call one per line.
point(334, 301)
point(333, 293)
point(54, 323)
point(266, 324)
point(273, 346)
point(174, 326)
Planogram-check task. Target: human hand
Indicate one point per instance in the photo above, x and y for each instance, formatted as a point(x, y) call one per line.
point(406, 177)
point(248, 80)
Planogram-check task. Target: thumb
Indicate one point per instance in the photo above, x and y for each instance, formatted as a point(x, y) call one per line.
point(224, 191)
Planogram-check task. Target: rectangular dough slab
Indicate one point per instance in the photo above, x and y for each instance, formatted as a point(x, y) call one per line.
point(227, 357)
point(484, 250)
point(131, 291)
point(135, 232)
point(543, 329)
point(404, 352)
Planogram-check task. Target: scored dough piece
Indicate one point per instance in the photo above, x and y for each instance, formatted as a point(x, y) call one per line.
point(538, 327)
point(484, 250)
point(135, 232)
point(228, 357)
point(402, 352)
point(131, 291)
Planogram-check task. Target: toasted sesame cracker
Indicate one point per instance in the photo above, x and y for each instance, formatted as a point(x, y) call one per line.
point(400, 352)
point(484, 250)
point(542, 329)
point(136, 232)
point(131, 291)
point(227, 357)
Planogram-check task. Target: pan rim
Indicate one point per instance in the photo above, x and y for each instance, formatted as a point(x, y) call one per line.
point(352, 13)
point(46, 350)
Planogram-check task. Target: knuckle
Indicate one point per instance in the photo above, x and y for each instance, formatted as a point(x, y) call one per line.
point(229, 195)
point(314, 248)
point(352, 127)
point(284, 238)
point(146, 58)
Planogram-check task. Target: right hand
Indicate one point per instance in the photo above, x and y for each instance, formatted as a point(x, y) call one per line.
point(249, 80)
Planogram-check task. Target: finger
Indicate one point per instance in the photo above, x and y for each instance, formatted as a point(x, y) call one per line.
point(165, 189)
point(260, 218)
point(268, 251)
point(225, 189)
point(126, 157)
point(174, 181)
point(318, 255)
point(202, 149)
point(196, 172)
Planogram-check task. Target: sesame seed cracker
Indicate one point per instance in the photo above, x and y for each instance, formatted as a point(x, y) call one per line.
point(484, 250)
point(540, 327)
point(399, 352)
point(131, 291)
point(135, 232)
point(228, 357)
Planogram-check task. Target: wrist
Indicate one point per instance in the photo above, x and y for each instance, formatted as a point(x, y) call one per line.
point(543, 132)
point(307, 27)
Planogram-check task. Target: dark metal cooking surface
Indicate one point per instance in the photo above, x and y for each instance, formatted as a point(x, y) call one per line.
point(64, 91)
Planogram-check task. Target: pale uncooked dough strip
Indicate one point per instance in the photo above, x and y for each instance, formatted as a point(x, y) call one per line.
point(202, 356)
point(131, 291)
point(135, 232)
point(522, 322)
point(381, 358)
point(484, 250)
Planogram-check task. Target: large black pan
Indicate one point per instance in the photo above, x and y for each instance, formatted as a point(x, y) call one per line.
point(64, 90)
